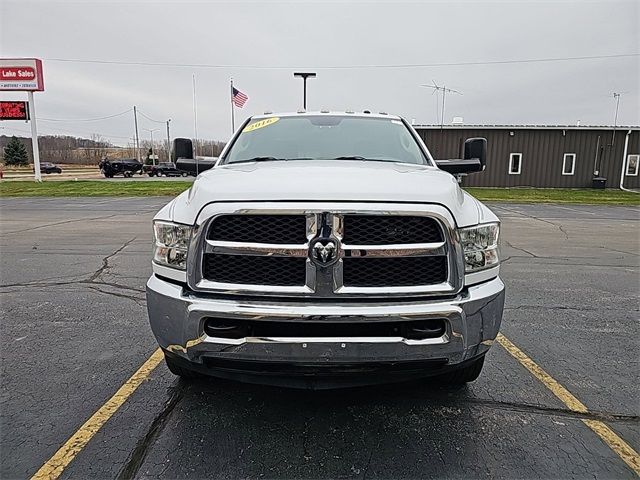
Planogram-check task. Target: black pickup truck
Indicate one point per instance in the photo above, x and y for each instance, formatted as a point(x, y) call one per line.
point(126, 167)
point(167, 169)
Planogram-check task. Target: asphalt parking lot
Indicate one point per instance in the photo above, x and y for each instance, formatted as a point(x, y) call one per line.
point(74, 329)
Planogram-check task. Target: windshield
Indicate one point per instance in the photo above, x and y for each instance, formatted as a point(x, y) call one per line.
point(325, 137)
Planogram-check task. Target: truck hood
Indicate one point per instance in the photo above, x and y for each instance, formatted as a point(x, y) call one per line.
point(325, 180)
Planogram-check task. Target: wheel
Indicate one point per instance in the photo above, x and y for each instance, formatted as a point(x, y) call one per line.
point(151, 174)
point(463, 375)
point(128, 174)
point(184, 174)
point(178, 370)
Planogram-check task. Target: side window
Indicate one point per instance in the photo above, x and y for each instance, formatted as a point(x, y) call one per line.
point(569, 164)
point(632, 165)
point(515, 163)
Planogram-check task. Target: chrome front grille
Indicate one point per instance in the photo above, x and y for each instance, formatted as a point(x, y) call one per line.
point(254, 269)
point(394, 271)
point(389, 230)
point(326, 253)
point(279, 229)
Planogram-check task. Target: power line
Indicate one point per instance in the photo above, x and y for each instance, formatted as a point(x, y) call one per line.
point(68, 132)
point(344, 67)
point(149, 118)
point(71, 120)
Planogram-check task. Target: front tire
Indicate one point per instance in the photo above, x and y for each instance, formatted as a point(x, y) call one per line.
point(180, 371)
point(463, 375)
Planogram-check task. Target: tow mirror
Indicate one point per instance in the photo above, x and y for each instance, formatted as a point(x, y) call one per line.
point(476, 148)
point(182, 148)
point(475, 158)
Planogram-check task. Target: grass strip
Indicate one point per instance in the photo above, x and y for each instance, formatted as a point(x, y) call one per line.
point(124, 188)
point(587, 196)
point(92, 188)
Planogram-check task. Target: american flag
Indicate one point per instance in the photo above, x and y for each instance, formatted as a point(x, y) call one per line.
point(238, 98)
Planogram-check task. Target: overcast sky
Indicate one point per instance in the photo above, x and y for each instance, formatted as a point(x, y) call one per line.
point(261, 43)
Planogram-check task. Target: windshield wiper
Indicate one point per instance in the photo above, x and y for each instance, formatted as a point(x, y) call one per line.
point(367, 159)
point(269, 159)
point(256, 159)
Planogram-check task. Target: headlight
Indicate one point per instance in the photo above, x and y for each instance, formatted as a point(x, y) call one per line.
point(171, 244)
point(480, 246)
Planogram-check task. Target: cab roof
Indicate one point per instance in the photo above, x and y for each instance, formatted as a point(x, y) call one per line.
point(334, 113)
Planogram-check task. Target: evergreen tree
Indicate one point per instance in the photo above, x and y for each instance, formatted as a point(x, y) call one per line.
point(15, 153)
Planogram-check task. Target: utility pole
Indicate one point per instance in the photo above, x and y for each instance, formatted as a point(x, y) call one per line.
point(195, 121)
point(153, 155)
point(304, 76)
point(616, 96)
point(437, 88)
point(137, 143)
point(169, 159)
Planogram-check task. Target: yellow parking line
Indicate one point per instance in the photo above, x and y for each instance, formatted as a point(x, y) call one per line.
point(617, 444)
point(54, 467)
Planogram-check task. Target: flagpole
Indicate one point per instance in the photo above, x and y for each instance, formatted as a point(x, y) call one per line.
point(233, 124)
point(195, 124)
point(195, 115)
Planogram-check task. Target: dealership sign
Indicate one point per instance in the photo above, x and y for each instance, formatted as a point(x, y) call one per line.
point(23, 74)
point(14, 110)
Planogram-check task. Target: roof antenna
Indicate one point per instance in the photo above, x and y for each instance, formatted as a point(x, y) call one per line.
point(444, 90)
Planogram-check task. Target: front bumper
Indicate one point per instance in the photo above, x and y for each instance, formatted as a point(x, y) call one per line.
point(177, 319)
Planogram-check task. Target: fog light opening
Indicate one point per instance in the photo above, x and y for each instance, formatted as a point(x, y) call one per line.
point(425, 329)
point(225, 328)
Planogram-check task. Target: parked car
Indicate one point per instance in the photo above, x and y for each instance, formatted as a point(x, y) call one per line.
point(325, 250)
point(167, 169)
point(125, 167)
point(48, 167)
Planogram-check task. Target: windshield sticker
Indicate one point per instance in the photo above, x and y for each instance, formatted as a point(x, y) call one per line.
point(260, 124)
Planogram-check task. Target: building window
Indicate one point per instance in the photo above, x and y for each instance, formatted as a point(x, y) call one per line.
point(632, 165)
point(515, 163)
point(569, 164)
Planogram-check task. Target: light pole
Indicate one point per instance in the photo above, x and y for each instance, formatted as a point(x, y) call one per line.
point(151, 130)
point(168, 143)
point(304, 76)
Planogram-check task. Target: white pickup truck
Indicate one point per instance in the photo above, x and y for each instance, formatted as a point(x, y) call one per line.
point(327, 249)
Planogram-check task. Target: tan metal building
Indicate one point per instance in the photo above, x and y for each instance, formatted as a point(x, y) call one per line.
point(554, 156)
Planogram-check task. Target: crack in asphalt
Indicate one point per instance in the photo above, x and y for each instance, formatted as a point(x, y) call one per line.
point(557, 225)
point(520, 248)
point(93, 281)
point(620, 251)
point(105, 261)
point(139, 453)
point(553, 411)
point(139, 301)
point(55, 224)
